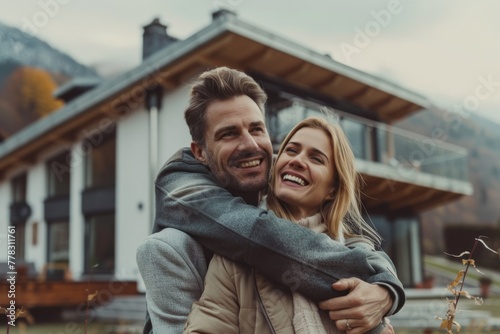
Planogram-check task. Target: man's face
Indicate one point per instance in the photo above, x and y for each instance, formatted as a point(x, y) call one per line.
point(237, 147)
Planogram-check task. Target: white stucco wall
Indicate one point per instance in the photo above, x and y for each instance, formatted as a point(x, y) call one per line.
point(36, 192)
point(173, 132)
point(132, 219)
point(76, 222)
point(4, 217)
point(134, 185)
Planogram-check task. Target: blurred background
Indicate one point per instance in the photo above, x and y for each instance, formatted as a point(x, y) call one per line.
point(91, 102)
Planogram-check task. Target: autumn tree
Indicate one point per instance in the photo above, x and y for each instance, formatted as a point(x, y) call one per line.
point(29, 91)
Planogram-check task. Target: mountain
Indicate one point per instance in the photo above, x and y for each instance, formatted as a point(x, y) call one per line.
point(29, 65)
point(17, 47)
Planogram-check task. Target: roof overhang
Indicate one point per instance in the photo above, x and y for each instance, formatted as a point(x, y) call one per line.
point(405, 189)
point(226, 42)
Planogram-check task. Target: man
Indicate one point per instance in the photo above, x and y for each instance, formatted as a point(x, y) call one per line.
point(208, 196)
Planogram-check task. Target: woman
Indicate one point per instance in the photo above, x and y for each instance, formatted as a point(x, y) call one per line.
point(314, 183)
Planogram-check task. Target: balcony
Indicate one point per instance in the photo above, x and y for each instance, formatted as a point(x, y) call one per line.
point(402, 171)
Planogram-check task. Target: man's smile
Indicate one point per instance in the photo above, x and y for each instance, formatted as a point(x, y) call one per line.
point(252, 163)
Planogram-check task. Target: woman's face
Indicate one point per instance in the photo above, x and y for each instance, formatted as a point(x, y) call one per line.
point(304, 172)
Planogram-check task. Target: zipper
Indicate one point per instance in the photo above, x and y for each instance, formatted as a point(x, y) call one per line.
point(261, 303)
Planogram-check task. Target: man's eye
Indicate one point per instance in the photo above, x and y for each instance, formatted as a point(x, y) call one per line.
point(228, 134)
point(259, 129)
point(290, 150)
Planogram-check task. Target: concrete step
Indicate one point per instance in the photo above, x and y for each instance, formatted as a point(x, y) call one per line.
point(125, 309)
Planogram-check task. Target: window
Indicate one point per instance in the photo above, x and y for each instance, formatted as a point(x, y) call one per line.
point(56, 208)
point(355, 132)
point(101, 163)
point(283, 116)
point(98, 205)
point(58, 249)
point(19, 216)
point(58, 176)
point(100, 244)
point(19, 188)
point(401, 243)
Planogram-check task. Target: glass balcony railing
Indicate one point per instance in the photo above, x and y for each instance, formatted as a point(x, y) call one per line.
point(378, 142)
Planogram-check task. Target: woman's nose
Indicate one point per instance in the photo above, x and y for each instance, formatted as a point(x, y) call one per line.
point(297, 161)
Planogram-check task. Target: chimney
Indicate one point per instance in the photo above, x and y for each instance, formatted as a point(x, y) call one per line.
point(154, 38)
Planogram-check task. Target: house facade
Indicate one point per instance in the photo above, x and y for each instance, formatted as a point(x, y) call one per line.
point(78, 184)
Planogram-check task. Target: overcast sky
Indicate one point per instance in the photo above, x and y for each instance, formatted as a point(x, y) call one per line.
point(447, 50)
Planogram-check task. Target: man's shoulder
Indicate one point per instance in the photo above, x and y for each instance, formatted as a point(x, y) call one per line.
point(182, 161)
point(183, 154)
point(183, 157)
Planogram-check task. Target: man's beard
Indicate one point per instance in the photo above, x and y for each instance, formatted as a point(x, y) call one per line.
point(233, 183)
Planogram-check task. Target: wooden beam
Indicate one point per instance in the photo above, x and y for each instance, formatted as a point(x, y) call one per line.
point(216, 46)
point(435, 202)
point(330, 80)
point(263, 53)
point(357, 94)
point(216, 62)
point(399, 195)
point(378, 105)
point(295, 70)
point(330, 83)
point(400, 111)
point(412, 201)
point(372, 190)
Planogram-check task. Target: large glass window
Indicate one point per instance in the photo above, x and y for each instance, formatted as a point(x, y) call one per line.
point(283, 116)
point(355, 132)
point(401, 242)
point(58, 176)
point(100, 244)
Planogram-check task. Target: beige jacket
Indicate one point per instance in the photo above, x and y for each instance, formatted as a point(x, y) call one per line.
point(236, 303)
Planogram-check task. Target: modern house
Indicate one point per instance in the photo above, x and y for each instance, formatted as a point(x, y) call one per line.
point(77, 185)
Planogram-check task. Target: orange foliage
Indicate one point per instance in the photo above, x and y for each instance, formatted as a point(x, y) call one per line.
point(30, 91)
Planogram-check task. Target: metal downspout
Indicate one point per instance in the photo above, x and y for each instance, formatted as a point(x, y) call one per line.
point(153, 104)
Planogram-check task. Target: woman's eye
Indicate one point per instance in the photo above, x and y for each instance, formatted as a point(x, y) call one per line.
point(317, 159)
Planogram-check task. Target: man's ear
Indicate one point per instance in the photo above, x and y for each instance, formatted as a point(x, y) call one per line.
point(198, 152)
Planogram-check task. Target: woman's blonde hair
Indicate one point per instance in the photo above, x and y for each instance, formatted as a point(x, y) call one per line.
point(341, 210)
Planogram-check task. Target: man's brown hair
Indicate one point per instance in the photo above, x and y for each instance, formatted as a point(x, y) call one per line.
point(220, 84)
